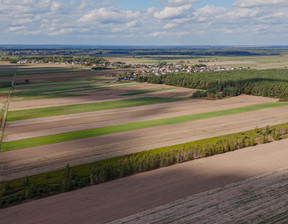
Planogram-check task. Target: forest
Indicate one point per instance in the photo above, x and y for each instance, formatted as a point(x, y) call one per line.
point(268, 83)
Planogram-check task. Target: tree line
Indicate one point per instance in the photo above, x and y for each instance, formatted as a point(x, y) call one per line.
point(56, 58)
point(268, 83)
point(70, 178)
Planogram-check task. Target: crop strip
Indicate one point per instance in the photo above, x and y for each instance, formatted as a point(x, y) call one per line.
point(51, 139)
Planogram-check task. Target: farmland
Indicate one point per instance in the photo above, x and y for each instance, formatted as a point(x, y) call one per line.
point(61, 115)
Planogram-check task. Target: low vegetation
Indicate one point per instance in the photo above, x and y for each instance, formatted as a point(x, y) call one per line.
point(79, 108)
point(31, 142)
point(51, 183)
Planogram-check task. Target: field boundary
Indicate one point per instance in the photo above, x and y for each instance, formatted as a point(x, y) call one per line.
point(63, 180)
point(6, 107)
point(70, 136)
point(79, 108)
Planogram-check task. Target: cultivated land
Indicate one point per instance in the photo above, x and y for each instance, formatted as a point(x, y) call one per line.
point(76, 116)
point(191, 182)
point(255, 62)
point(96, 119)
point(54, 156)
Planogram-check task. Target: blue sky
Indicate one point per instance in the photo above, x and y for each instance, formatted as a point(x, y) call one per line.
point(144, 22)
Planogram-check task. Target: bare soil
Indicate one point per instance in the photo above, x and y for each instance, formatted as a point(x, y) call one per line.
point(100, 95)
point(200, 186)
point(40, 159)
point(260, 199)
point(30, 128)
point(220, 63)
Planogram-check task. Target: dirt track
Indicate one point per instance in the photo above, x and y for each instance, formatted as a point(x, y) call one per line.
point(127, 196)
point(30, 128)
point(49, 157)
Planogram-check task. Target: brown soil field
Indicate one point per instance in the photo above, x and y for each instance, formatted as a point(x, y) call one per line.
point(3, 99)
point(100, 95)
point(5, 78)
point(221, 63)
point(260, 199)
point(39, 159)
point(65, 75)
point(7, 67)
point(30, 128)
point(119, 89)
point(217, 184)
point(41, 67)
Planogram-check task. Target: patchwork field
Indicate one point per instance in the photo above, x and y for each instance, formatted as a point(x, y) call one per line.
point(50, 143)
point(255, 62)
point(60, 116)
point(217, 185)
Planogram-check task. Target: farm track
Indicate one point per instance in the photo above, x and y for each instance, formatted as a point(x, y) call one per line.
point(201, 184)
point(30, 128)
point(50, 157)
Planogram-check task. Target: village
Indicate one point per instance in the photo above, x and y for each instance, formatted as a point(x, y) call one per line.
point(164, 68)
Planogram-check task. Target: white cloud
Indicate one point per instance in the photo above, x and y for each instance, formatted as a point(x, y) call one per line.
point(169, 25)
point(173, 12)
point(106, 15)
point(181, 2)
point(17, 28)
point(259, 3)
point(177, 18)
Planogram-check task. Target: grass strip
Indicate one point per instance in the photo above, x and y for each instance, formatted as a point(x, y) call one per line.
point(79, 108)
point(62, 180)
point(91, 88)
point(148, 91)
point(51, 139)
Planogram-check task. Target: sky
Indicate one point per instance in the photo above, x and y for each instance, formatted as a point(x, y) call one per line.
point(144, 22)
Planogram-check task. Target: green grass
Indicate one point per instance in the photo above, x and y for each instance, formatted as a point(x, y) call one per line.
point(47, 184)
point(79, 108)
point(100, 87)
point(129, 127)
point(148, 91)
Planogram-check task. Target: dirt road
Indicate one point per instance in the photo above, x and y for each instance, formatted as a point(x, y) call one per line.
point(127, 196)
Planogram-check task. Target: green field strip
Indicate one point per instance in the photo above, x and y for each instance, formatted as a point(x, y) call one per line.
point(101, 87)
point(148, 91)
point(79, 108)
point(4, 90)
point(51, 139)
point(69, 83)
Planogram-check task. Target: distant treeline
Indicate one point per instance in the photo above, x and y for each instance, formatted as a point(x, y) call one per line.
point(188, 51)
point(269, 83)
point(60, 59)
